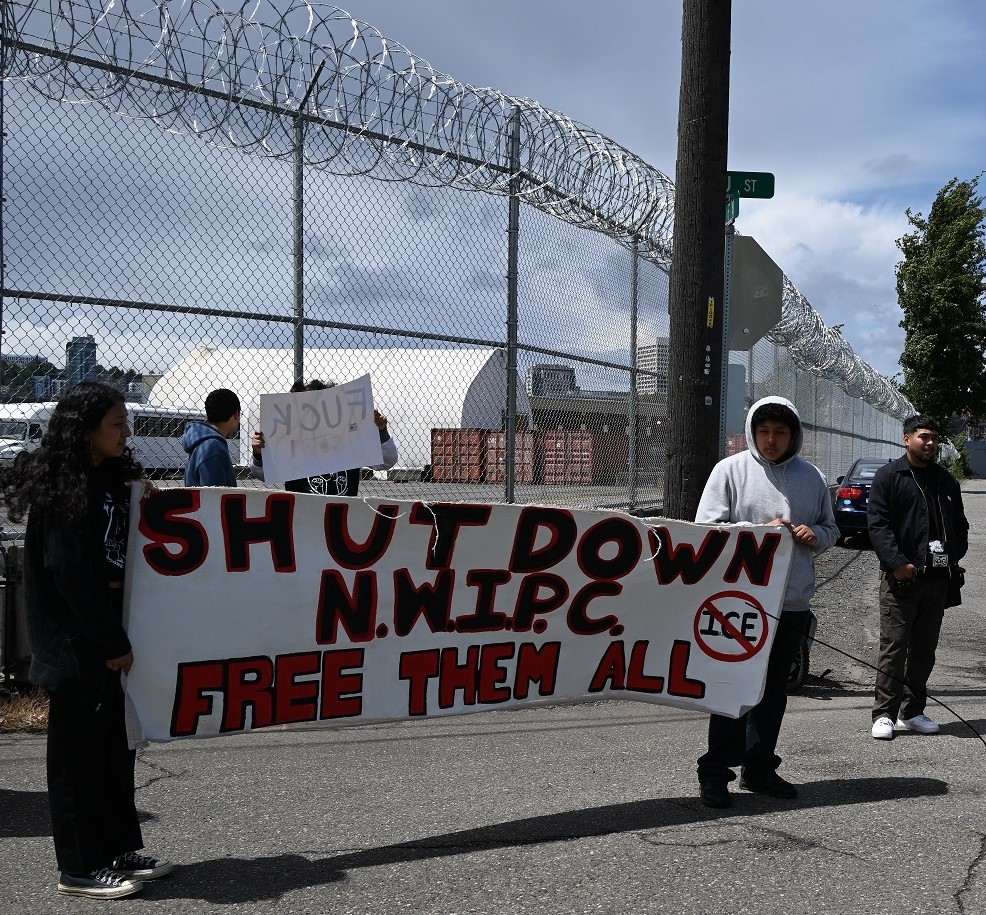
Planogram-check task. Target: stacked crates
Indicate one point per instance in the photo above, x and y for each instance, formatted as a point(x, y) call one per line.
point(458, 455)
point(584, 458)
point(552, 458)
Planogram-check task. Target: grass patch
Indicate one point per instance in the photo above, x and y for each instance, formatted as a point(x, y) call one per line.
point(23, 711)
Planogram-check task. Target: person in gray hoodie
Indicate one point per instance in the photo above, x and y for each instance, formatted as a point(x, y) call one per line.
point(209, 462)
point(768, 484)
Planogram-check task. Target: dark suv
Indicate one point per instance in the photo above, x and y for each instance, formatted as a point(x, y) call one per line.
point(850, 496)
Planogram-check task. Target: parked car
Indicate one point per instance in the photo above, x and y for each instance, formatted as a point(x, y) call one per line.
point(852, 493)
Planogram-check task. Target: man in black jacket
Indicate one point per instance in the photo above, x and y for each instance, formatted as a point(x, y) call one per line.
point(919, 532)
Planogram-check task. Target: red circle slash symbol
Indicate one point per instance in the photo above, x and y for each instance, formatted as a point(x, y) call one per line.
point(731, 626)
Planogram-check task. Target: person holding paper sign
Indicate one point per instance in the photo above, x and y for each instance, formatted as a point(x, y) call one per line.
point(75, 490)
point(338, 483)
point(767, 484)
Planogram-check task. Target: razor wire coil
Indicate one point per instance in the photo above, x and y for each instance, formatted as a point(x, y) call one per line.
point(238, 78)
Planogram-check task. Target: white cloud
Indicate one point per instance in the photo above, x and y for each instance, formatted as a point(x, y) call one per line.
point(859, 109)
point(841, 256)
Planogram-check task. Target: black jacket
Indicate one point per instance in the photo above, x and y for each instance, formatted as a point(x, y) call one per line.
point(73, 624)
point(898, 518)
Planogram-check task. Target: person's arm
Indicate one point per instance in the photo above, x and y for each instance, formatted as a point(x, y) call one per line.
point(389, 449)
point(715, 506)
point(257, 455)
point(388, 446)
point(76, 569)
point(878, 519)
point(960, 526)
point(825, 529)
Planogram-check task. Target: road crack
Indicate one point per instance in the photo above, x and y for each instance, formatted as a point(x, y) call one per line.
point(971, 877)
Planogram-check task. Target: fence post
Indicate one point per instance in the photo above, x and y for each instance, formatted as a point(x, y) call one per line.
point(633, 420)
point(513, 238)
point(299, 229)
point(749, 380)
point(3, 217)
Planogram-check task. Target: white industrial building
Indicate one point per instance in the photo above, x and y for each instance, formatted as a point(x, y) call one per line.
point(418, 389)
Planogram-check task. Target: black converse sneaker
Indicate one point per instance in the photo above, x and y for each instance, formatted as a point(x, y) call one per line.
point(141, 867)
point(98, 884)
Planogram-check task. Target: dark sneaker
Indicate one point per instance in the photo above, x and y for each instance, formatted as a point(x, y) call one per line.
point(99, 884)
point(714, 793)
point(768, 783)
point(135, 865)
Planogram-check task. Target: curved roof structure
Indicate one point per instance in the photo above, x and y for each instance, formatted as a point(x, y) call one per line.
point(418, 389)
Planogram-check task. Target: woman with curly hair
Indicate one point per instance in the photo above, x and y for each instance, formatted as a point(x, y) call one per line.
point(75, 491)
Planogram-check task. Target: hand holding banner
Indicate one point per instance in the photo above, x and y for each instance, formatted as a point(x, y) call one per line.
point(251, 609)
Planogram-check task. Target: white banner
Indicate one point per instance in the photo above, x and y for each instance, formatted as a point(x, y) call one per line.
point(251, 609)
point(314, 432)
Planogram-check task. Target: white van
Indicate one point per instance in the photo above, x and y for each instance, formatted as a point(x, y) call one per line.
point(155, 440)
point(21, 428)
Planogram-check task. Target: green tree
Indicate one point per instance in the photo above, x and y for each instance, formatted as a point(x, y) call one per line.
point(941, 286)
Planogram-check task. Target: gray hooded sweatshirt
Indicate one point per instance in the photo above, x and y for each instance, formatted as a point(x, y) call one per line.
point(747, 487)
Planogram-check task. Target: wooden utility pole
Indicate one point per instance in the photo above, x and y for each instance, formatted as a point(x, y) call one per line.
point(695, 367)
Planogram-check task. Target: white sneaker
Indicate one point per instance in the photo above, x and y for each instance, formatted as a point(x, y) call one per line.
point(883, 729)
point(920, 723)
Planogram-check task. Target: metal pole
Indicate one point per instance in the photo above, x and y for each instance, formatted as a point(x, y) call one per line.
point(633, 420)
point(727, 291)
point(3, 201)
point(299, 229)
point(299, 250)
point(749, 379)
point(513, 238)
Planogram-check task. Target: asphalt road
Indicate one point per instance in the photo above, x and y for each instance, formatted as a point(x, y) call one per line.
point(575, 809)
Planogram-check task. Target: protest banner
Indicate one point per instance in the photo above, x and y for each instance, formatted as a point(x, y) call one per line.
point(250, 609)
point(313, 432)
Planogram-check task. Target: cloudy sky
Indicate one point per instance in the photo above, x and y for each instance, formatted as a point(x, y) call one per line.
point(860, 109)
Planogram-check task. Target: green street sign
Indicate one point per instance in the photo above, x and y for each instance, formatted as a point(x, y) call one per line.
point(750, 184)
point(732, 207)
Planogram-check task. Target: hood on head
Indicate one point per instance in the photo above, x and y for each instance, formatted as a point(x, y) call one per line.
point(796, 440)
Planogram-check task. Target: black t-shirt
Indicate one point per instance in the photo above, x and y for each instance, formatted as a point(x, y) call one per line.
point(114, 515)
point(928, 481)
point(341, 483)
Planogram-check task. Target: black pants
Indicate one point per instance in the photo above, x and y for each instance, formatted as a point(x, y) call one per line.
point(751, 739)
point(910, 623)
point(91, 777)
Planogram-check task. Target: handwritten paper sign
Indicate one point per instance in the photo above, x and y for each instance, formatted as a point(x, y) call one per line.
point(313, 432)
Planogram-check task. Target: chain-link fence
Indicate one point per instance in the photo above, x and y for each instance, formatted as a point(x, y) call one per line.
point(838, 428)
point(210, 201)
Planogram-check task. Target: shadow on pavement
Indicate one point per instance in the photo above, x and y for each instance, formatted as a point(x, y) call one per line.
point(975, 728)
point(240, 880)
point(24, 814)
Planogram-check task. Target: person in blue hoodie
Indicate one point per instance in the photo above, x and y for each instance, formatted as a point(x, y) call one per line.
point(209, 463)
point(767, 484)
